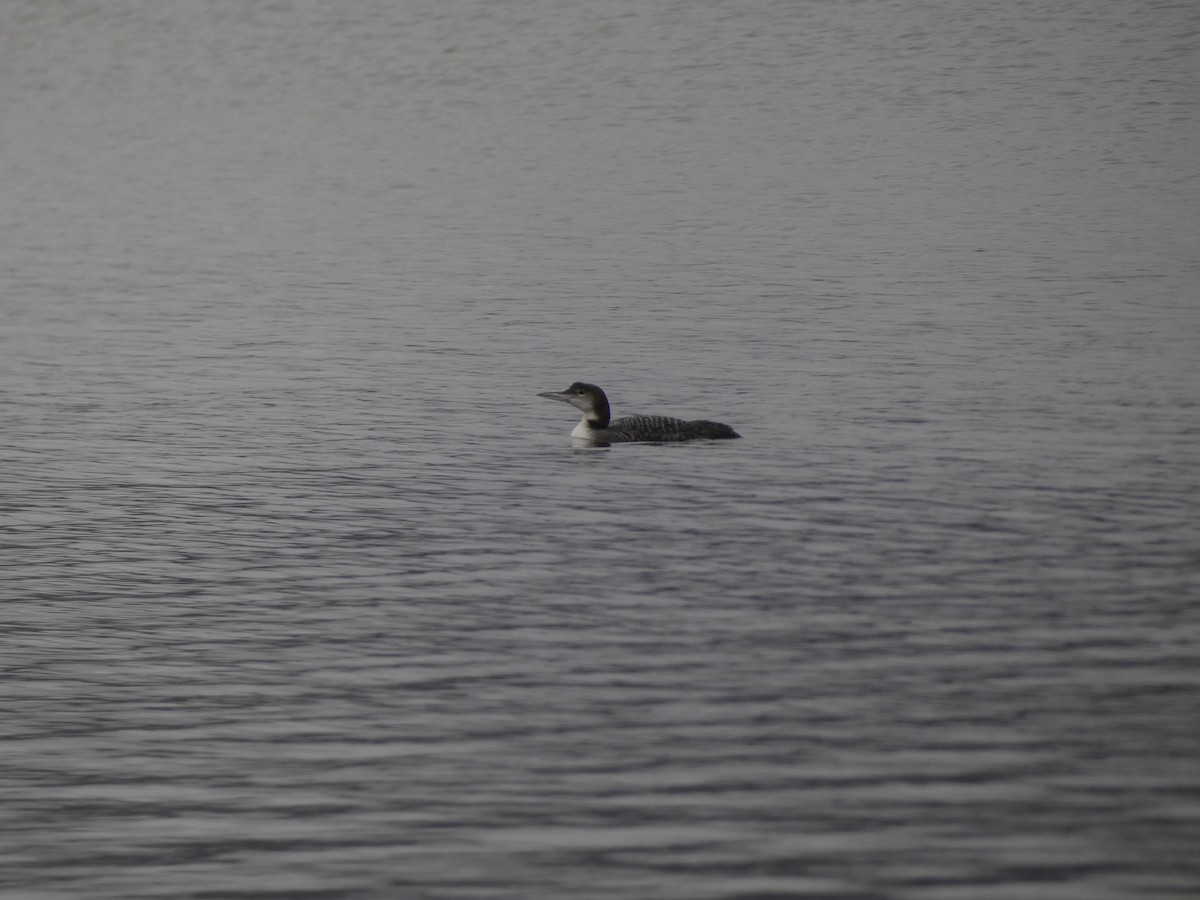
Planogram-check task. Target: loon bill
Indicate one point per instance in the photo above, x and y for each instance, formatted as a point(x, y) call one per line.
point(596, 424)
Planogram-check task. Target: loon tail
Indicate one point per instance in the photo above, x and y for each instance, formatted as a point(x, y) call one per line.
point(712, 430)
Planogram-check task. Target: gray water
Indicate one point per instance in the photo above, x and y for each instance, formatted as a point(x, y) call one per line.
point(307, 595)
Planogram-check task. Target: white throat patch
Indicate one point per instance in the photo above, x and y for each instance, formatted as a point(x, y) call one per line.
point(582, 430)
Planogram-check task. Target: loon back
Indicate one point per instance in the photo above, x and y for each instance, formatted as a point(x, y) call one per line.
point(598, 426)
point(665, 428)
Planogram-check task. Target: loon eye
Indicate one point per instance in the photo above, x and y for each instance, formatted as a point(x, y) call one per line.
point(579, 392)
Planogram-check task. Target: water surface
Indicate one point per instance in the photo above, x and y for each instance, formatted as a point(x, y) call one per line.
point(307, 594)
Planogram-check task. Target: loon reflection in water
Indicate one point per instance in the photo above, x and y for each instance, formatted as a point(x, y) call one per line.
point(596, 425)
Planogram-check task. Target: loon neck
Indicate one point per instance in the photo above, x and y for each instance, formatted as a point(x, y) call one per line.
point(590, 429)
point(599, 414)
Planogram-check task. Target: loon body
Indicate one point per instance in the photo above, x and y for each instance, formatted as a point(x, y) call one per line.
point(597, 425)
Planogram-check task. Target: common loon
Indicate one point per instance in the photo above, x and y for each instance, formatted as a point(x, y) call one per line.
point(596, 425)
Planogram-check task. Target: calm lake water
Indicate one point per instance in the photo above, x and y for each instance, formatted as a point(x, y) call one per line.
point(306, 594)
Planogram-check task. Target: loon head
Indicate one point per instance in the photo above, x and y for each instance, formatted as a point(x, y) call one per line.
point(588, 399)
